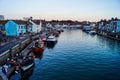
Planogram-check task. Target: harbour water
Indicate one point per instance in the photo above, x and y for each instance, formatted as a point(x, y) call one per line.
point(79, 56)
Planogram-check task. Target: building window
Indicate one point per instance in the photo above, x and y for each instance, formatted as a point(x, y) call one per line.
point(19, 27)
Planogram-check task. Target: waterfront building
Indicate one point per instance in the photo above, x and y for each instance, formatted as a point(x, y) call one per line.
point(93, 25)
point(49, 26)
point(109, 28)
point(43, 25)
point(86, 27)
point(104, 27)
point(112, 26)
point(100, 25)
point(36, 25)
point(15, 27)
point(115, 26)
point(2, 24)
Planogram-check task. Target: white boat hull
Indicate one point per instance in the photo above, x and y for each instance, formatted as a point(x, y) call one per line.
point(24, 68)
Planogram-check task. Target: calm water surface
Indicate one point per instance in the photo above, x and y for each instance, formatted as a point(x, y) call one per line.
point(79, 56)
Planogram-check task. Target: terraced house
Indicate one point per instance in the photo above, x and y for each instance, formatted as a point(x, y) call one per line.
point(115, 26)
point(15, 27)
point(110, 28)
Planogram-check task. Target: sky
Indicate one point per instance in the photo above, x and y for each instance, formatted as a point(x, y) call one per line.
point(80, 10)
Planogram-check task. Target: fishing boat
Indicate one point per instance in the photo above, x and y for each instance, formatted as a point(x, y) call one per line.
point(44, 38)
point(26, 74)
point(92, 32)
point(24, 68)
point(57, 34)
point(62, 30)
point(38, 47)
point(27, 63)
point(37, 50)
point(51, 40)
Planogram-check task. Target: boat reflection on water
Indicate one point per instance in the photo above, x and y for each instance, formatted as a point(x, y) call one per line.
point(51, 45)
point(26, 74)
point(39, 55)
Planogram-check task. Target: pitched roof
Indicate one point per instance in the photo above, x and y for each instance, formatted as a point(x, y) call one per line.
point(20, 22)
point(3, 22)
point(36, 21)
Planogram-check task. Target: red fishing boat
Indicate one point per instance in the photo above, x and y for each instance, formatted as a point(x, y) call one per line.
point(38, 48)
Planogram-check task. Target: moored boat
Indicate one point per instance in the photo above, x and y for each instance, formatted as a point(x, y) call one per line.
point(62, 30)
point(59, 31)
point(92, 32)
point(44, 38)
point(24, 68)
point(51, 40)
point(38, 48)
point(27, 63)
point(57, 34)
point(26, 74)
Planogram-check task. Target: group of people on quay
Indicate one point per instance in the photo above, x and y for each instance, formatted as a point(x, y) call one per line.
point(14, 65)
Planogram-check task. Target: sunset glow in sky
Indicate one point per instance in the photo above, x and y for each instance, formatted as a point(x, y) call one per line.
point(92, 10)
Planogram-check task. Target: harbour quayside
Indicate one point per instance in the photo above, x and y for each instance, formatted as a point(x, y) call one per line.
point(59, 39)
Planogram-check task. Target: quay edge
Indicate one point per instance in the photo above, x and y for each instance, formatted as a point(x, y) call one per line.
point(17, 48)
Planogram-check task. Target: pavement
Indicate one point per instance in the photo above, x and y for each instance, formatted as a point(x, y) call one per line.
point(11, 42)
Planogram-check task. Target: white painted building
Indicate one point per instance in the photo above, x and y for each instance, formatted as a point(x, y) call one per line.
point(36, 26)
